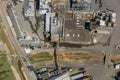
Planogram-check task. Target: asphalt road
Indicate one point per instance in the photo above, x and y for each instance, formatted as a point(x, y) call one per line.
point(115, 36)
point(114, 5)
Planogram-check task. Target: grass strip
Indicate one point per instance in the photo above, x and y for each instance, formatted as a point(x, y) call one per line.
point(5, 39)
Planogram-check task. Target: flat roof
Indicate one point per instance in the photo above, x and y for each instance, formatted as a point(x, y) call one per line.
point(14, 21)
point(68, 15)
point(74, 27)
point(50, 22)
point(74, 23)
point(29, 8)
point(76, 19)
point(76, 35)
point(63, 76)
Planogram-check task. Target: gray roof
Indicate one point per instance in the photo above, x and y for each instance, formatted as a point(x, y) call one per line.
point(62, 76)
point(29, 7)
point(74, 28)
point(14, 22)
point(76, 35)
point(26, 5)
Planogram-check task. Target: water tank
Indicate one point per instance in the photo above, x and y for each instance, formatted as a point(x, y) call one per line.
point(87, 25)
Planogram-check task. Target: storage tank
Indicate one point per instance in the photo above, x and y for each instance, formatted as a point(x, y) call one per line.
point(87, 25)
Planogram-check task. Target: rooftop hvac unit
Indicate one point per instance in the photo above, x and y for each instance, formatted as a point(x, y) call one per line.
point(77, 20)
point(77, 23)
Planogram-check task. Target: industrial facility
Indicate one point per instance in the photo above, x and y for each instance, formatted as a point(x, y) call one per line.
point(14, 21)
point(29, 8)
point(42, 6)
point(80, 27)
point(49, 37)
point(79, 24)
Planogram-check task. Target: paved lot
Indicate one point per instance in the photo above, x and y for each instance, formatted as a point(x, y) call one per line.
point(102, 72)
point(23, 22)
point(115, 37)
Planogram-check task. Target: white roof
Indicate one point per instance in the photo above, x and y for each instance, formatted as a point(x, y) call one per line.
point(27, 50)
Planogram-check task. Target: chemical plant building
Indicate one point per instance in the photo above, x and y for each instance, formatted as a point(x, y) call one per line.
point(42, 6)
point(71, 29)
point(80, 27)
point(63, 76)
point(80, 4)
point(81, 24)
point(29, 8)
point(14, 22)
point(80, 75)
point(49, 21)
point(75, 29)
point(52, 26)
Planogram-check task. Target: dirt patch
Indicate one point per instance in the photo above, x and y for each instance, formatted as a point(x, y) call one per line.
point(115, 58)
point(33, 52)
point(80, 56)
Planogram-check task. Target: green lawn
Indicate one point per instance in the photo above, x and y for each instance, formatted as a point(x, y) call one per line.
point(41, 57)
point(43, 54)
point(5, 71)
point(41, 60)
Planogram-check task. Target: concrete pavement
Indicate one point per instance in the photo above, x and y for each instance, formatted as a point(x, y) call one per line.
point(115, 37)
point(102, 72)
point(98, 72)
